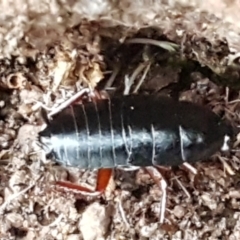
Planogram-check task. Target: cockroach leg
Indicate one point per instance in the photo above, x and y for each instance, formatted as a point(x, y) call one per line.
point(103, 178)
point(74, 186)
point(162, 184)
point(192, 169)
point(183, 188)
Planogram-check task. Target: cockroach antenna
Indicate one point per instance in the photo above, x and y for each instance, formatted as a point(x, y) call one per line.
point(44, 116)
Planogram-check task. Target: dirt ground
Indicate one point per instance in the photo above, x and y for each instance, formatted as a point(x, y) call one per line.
point(201, 206)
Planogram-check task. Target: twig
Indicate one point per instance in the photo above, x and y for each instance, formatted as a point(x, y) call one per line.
point(162, 184)
point(127, 85)
point(68, 102)
point(14, 196)
point(183, 188)
point(163, 202)
point(130, 80)
point(226, 166)
point(142, 78)
point(171, 47)
point(56, 221)
point(122, 212)
point(113, 76)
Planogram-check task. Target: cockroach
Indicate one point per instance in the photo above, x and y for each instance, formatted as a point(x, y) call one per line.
point(133, 131)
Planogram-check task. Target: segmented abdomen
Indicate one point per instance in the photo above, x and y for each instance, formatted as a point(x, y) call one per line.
point(134, 130)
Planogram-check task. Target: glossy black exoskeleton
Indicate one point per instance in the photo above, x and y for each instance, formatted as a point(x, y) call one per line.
point(135, 130)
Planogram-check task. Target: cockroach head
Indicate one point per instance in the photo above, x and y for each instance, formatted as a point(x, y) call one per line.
point(44, 138)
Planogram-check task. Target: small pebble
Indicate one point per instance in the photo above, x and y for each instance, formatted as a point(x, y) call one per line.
point(179, 211)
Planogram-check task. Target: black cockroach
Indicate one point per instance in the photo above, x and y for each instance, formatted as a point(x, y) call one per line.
point(133, 131)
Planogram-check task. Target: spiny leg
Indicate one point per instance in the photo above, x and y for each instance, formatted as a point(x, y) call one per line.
point(103, 178)
point(162, 184)
point(74, 186)
point(190, 168)
point(187, 167)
